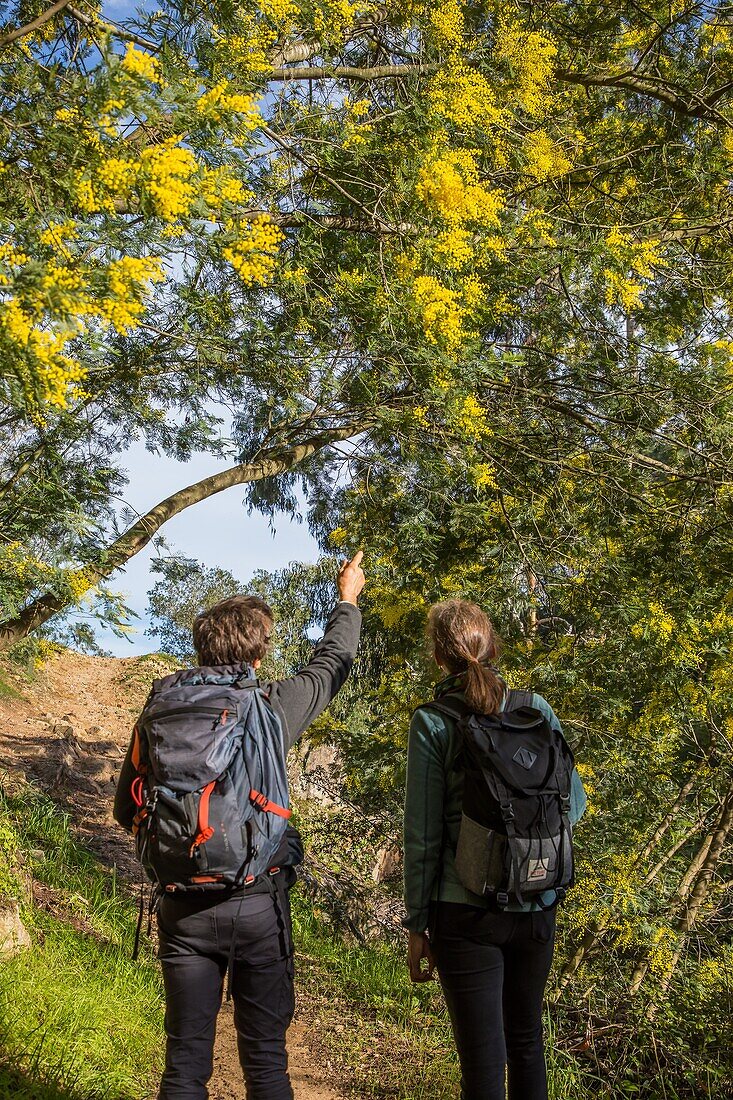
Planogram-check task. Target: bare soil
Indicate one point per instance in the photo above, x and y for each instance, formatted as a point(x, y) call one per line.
point(68, 732)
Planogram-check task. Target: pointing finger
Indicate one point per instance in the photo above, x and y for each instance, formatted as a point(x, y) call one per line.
point(356, 560)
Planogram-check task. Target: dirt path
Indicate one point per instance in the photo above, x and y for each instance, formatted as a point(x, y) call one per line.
point(69, 733)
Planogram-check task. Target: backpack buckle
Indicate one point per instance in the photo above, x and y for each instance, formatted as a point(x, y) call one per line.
point(502, 899)
point(507, 811)
point(272, 871)
point(565, 804)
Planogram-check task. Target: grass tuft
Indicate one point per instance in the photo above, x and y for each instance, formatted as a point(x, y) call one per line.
point(78, 1019)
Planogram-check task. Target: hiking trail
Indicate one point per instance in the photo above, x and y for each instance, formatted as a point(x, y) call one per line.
point(68, 732)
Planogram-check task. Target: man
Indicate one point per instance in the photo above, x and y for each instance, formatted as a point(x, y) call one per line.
point(200, 933)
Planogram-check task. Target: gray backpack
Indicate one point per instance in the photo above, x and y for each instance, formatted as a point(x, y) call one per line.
point(211, 785)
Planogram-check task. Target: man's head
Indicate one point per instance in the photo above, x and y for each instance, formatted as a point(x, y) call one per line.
point(234, 631)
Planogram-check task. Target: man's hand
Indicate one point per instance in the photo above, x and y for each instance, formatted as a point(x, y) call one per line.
point(351, 579)
point(418, 949)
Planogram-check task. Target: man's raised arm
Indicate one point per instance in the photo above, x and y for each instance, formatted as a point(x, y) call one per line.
point(300, 699)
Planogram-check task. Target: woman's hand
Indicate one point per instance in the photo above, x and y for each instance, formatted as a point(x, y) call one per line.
point(418, 949)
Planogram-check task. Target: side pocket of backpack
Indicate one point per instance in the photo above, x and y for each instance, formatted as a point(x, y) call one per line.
point(171, 836)
point(480, 857)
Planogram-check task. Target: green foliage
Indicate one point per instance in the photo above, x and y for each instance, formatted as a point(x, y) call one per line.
point(78, 1020)
point(300, 596)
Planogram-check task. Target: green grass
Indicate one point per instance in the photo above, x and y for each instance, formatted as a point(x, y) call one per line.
point(8, 691)
point(78, 1019)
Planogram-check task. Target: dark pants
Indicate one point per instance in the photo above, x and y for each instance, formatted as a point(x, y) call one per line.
point(493, 968)
point(195, 942)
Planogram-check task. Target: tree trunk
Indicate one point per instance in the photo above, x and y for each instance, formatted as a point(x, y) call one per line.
point(277, 460)
point(691, 893)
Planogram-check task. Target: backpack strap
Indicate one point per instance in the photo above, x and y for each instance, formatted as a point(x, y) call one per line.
point(455, 708)
point(507, 813)
point(517, 699)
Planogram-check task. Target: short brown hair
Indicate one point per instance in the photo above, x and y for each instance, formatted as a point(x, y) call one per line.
point(234, 631)
point(465, 641)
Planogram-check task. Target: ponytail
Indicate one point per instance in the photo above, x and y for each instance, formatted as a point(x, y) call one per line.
point(483, 688)
point(465, 642)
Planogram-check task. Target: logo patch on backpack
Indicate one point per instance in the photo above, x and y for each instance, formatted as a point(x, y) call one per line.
point(537, 869)
point(525, 757)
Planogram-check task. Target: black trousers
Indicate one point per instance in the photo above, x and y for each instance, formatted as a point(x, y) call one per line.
point(195, 936)
point(493, 968)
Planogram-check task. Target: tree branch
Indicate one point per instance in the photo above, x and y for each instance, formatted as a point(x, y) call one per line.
point(349, 72)
point(694, 106)
point(118, 32)
point(29, 28)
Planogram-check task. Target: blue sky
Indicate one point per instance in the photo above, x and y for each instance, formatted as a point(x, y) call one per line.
point(218, 532)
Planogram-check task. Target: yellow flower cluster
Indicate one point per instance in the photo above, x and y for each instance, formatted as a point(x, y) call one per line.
point(662, 947)
point(117, 175)
point(622, 291)
point(397, 607)
point(355, 130)
point(218, 102)
point(449, 183)
point(219, 185)
point(471, 419)
point(446, 18)
point(10, 257)
point(332, 18)
point(639, 258)
point(441, 312)
point(537, 226)
point(484, 476)
point(543, 157)
point(279, 11)
point(60, 286)
point(253, 254)
point(531, 58)
point(464, 96)
point(129, 282)
point(138, 63)
point(43, 349)
point(161, 175)
point(165, 172)
point(474, 291)
point(57, 234)
point(659, 624)
point(78, 582)
point(17, 563)
point(338, 536)
point(106, 121)
point(454, 247)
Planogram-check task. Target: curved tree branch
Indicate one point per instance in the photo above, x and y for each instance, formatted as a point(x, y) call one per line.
point(276, 460)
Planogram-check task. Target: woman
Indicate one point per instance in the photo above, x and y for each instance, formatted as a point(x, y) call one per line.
point(493, 963)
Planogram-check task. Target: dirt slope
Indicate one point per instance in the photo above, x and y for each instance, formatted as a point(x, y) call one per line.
point(69, 733)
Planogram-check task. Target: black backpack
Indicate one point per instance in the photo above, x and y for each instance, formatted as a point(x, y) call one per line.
point(211, 785)
point(515, 840)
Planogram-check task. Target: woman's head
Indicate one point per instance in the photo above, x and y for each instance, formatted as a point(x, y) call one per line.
point(464, 640)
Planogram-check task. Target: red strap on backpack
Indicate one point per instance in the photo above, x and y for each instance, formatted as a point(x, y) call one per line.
point(262, 802)
point(205, 830)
